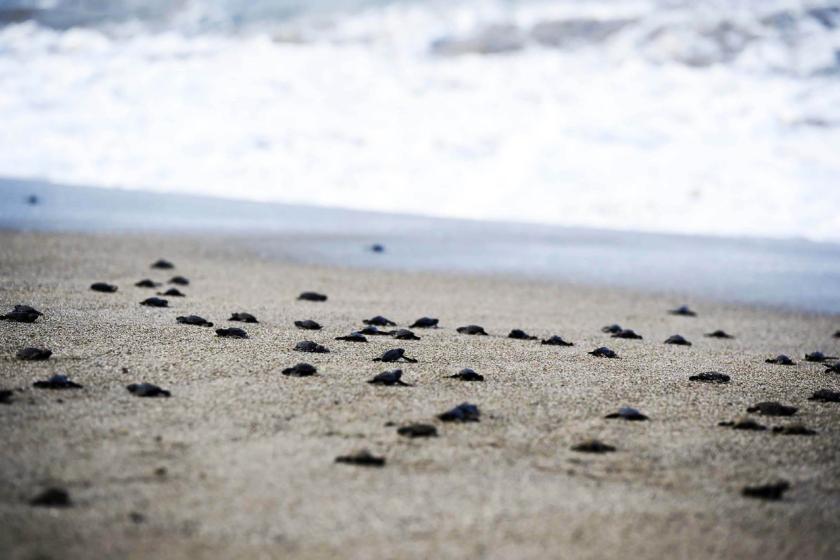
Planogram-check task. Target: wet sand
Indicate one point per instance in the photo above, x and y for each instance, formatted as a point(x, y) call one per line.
point(239, 462)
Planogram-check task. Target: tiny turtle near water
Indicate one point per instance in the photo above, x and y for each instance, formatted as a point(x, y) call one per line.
point(825, 395)
point(363, 458)
point(818, 357)
point(464, 412)
point(678, 340)
point(629, 334)
point(684, 311)
point(612, 329)
point(377, 248)
point(173, 292)
point(179, 280)
point(467, 374)
point(603, 352)
point(22, 314)
point(710, 377)
point(6, 396)
point(556, 341)
point(53, 497)
point(394, 355)
point(424, 323)
point(147, 390)
point(312, 296)
point(747, 424)
point(774, 491)
point(417, 430)
point(373, 331)
point(628, 413)
point(162, 264)
point(147, 283)
point(404, 334)
point(379, 321)
point(33, 354)
point(593, 446)
point(353, 337)
point(308, 325)
point(57, 381)
point(519, 334)
point(243, 317)
point(309, 346)
point(103, 287)
point(472, 329)
point(389, 378)
point(781, 360)
point(833, 368)
point(794, 430)
point(231, 333)
point(718, 334)
point(301, 370)
point(194, 320)
point(154, 302)
point(837, 334)
point(772, 408)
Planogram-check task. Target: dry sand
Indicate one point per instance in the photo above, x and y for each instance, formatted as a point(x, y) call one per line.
point(239, 462)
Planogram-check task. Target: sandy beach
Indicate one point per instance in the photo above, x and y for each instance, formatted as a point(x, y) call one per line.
point(240, 461)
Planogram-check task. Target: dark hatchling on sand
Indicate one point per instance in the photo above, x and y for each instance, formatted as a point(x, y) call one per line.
point(6, 396)
point(57, 381)
point(628, 413)
point(833, 368)
point(519, 334)
point(53, 497)
point(22, 314)
point(33, 354)
point(103, 287)
point(603, 352)
point(773, 491)
point(147, 283)
point(718, 334)
point(794, 430)
point(556, 341)
point(781, 360)
point(612, 329)
point(352, 337)
point(312, 296)
point(710, 377)
point(464, 412)
point(194, 320)
point(163, 264)
point(389, 378)
point(678, 340)
point(825, 395)
point(154, 302)
point(772, 408)
point(179, 280)
point(301, 370)
point(147, 390)
point(417, 431)
point(363, 458)
point(379, 321)
point(472, 329)
point(404, 334)
point(173, 292)
point(394, 355)
point(243, 317)
point(310, 346)
point(424, 323)
point(818, 357)
point(308, 325)
point(684, 311)
point(373, 331)
point(628, 334)
point(747, 424)
point(232, 332)
point(467, 374)
point(593, 446)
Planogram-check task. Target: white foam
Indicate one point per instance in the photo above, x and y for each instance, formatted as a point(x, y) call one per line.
point(618, 135)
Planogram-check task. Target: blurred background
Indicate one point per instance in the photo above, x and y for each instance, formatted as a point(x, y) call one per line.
point(700, 117)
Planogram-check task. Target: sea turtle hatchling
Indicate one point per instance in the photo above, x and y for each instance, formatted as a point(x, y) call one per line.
point(147, 390)
point(603, 352)
point(179, 280)
point(310, 346)
point(379, 321)
point(773, 491)
point(147, 283)
point(301, 370)
point(424, 323)
point(794, 430)
point(232, 332)
point(464, 412)
point(155, 302)
point(57, 381)
point(312, 296)
point(162, 264)
point(103, 287)
point(22, 314)
point(243, 317)
point(678, 340)
point(718, 334)
point(628, 413)
point(173, 292)
point(556, 341)
point(417, 430)
point(781, 360)
point(373, 331)
point(818, 357)
point(308, 325)
point(833, 368)
point(353, 337)
point(404, 334)
point(746, 424)
point(519, 334)
point(389, 378)
point(593, 446)
point(31, 354)
point(194, 320)
point(611, 329)
point(472, 329)
point(394, 355)
point(363, 458)
point(684, 311)
point(467, 374)
point(629, 334)
point(772, 408)
point(825, 395)
point(710, 377)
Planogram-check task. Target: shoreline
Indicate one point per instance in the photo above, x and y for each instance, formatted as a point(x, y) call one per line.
point(240, 461)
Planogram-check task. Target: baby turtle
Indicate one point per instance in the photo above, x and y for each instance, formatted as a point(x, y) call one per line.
point(243, 318)
point(353, 337)
point(173, 292)
point(154, 302)
point(147, 283)
point(179, 280)
point(627, 413)
point(57, 382)
point(794, 430)
point(34, 354)
point(612, 329)
point(377, 248)
point(781, 360)
point(629, 334)
point(103, 287)
point(309, 346)
point(363, 458)
point(301, 370)
point(417, 430)
point(53, 497)
point(393, 355)
point(773, 491)
point(710, 377)
point(825, 395)
point(308, 325)
point(231, 333)
point(556, 341)
point(603, 352)
point(424, 323)
point(471, 329)
point(593, 446)
point(837, 334)
point(678, 340)
point(22, 314)
point(389, 378)
point(772, 408)
point(718, 334)
point(162, 264)
point(194, 320)
point(379, 321)
point(32, 200)
point(519, 334)
point(312, 296)
point(467, 374)
point(464, 412)
point(6, 396)
point(833, 368)
point(747, 424)
point(147, 390)
point(404, 334)
point(818, 357)
point(684, 311)
point(373, 331)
